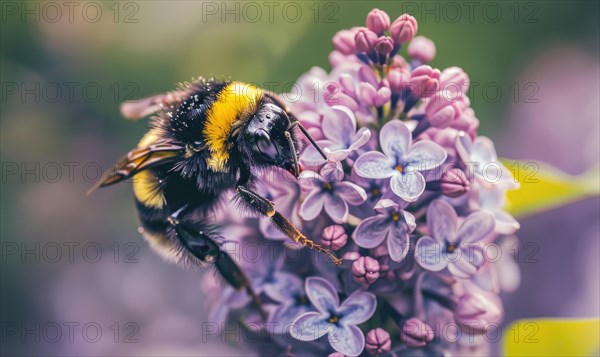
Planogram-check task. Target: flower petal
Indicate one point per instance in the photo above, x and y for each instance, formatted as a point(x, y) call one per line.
point(348, 340)
point(336, 208)
point(362, 136)
point(476, 226)
point(322, 294)
point(409, 186)
point(312, 205)
point(351, 193)
point(483, 151)
point(395, 139)
point(286, 288)
point(283, 316)
point(426, 155)
point(398, 243)
point(310, 326)
point(428, 254)
point(339, 125)
point(505, 223)
point(310, 180)
point(463, 146)
point(374, 165)
point(311, 157)
point(358, 308)
point(371, 232)
point(442, 221)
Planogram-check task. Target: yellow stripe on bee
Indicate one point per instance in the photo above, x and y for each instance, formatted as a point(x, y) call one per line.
point(148, 139)
point(236, 102)
point(146, 189)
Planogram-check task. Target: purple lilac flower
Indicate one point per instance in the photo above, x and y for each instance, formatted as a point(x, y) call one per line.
point(391, 224)
point(480, 154)
point(452, 246)
point(401, 161)
point(292, 301)
point(337, 321)
point(341, 137)
point(329, 193)
point(386, 123)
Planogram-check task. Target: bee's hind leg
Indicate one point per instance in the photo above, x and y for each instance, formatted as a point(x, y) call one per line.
point(265, 207)
point(203, 244)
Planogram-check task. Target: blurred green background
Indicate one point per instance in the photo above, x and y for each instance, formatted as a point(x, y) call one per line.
point(137, 48)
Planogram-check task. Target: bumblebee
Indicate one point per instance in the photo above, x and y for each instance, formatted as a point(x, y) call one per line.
point(207, 138)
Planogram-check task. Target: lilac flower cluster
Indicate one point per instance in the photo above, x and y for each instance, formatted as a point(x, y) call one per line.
point(410, 196)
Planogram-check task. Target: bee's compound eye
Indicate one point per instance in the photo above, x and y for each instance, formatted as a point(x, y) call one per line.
point(265, 145)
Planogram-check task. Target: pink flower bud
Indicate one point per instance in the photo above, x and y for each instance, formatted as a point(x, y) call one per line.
point(336, 354)
point(367, 93)
point(477, 312)
point(416, 333)
point(378, 342)
point(421, 49)
point(454, 79)
point(383, 95)
point(424, 81)
point(441, 112)
point(378, 21)
point(343, 41)
point(334, 237)
point(365, 270)
point(404, 29)
point(365, 40)
point(398, 79)
point(384, 45)
point(454, 183)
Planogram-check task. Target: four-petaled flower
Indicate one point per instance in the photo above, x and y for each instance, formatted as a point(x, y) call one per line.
point(292, 303)
point(391, 223)
point(451, 246)
point(401, 161)
point(339, 322)
point(329, 192)
point(481, 154)
point(339, 129)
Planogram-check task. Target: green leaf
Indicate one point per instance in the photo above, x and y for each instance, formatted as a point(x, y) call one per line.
point(544, 187)
point(552, 337)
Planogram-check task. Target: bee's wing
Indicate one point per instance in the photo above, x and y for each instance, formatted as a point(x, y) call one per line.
point(137, 160)
point(137, 109)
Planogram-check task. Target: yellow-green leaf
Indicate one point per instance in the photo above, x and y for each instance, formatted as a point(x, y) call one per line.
point(544, 187)
point(552, 337)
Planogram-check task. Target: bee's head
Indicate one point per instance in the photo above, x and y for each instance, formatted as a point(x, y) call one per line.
point(269, 138)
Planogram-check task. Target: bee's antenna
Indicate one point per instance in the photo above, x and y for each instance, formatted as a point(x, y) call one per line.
point(312, 141)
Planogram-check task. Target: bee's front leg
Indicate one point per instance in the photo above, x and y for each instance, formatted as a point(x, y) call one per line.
point(266, 208)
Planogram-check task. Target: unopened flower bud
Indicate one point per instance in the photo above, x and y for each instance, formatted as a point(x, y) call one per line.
point(416, 333)
point(442, 111)
point(378, 21)
point(384, 45)
point(365, 270)
point(378, 342)
point(454, 79)
point(398, 79)
point(424, 81)
point(334, 237)
point(365, 40)
point(404, 29)
point(477, 312)
point(343, 41)
point(421, 49)
point(454, 183)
